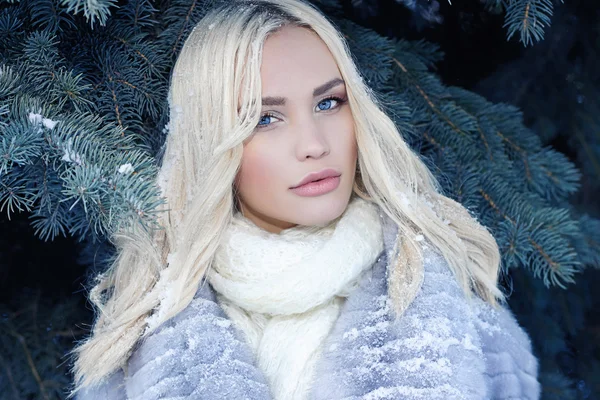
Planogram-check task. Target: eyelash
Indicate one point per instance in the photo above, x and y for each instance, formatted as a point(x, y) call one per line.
point(339, 100)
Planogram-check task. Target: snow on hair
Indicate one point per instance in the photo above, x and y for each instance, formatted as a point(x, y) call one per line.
point(215, 101)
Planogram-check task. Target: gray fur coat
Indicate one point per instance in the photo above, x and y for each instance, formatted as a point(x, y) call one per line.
point(443, 347)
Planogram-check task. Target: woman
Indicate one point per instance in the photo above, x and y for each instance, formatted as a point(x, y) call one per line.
point(365, 284)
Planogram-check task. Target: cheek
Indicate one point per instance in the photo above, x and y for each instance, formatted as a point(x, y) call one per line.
point(352, 142)
point(349, 138)
point(256, 171)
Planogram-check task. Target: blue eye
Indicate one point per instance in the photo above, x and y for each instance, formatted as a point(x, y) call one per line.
point(324, 105)
point(326, 101)
point(263, 118)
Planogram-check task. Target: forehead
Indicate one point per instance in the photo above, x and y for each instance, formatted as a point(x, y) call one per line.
point(295, 58)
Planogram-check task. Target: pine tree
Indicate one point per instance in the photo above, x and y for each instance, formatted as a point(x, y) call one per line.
point(555, 84)
point(83, 116)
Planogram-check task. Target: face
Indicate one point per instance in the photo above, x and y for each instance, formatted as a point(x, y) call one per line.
point(306, 126)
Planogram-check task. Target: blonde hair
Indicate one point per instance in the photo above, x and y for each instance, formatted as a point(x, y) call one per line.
point(215, 104)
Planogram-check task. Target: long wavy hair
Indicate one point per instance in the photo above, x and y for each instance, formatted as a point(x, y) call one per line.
point(215, 104)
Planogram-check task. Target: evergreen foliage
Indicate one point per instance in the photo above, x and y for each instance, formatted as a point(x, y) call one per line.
point(556, 85)
point(83, 115)
point(527, 19)
point(35, 334)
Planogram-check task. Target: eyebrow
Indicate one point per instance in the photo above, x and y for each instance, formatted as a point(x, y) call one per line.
point(280, 101)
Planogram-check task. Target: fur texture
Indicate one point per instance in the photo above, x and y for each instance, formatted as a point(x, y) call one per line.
point(443, 347)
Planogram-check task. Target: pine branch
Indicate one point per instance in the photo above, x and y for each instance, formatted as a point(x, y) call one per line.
point(93, 10)
point(456, 125)
point(528, 18)
point(49, 15)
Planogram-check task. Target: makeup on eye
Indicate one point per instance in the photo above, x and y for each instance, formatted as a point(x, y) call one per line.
point(318, 91)
point(339, 102)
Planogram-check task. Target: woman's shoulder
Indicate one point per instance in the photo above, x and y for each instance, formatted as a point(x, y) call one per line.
point(511, 368)
point(511, 364)
point(491, 321)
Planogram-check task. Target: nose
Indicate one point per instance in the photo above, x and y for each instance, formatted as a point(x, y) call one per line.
point(311, 141)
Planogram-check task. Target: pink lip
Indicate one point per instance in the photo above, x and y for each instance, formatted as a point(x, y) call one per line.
point(317, 188)
point(315, 176)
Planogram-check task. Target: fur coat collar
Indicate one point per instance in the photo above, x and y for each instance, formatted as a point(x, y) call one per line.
point(442, 347)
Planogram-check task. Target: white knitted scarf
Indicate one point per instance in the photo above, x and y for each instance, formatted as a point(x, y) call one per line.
point(284, 291)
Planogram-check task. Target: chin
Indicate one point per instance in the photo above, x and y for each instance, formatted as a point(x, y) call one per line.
point(322, 210)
